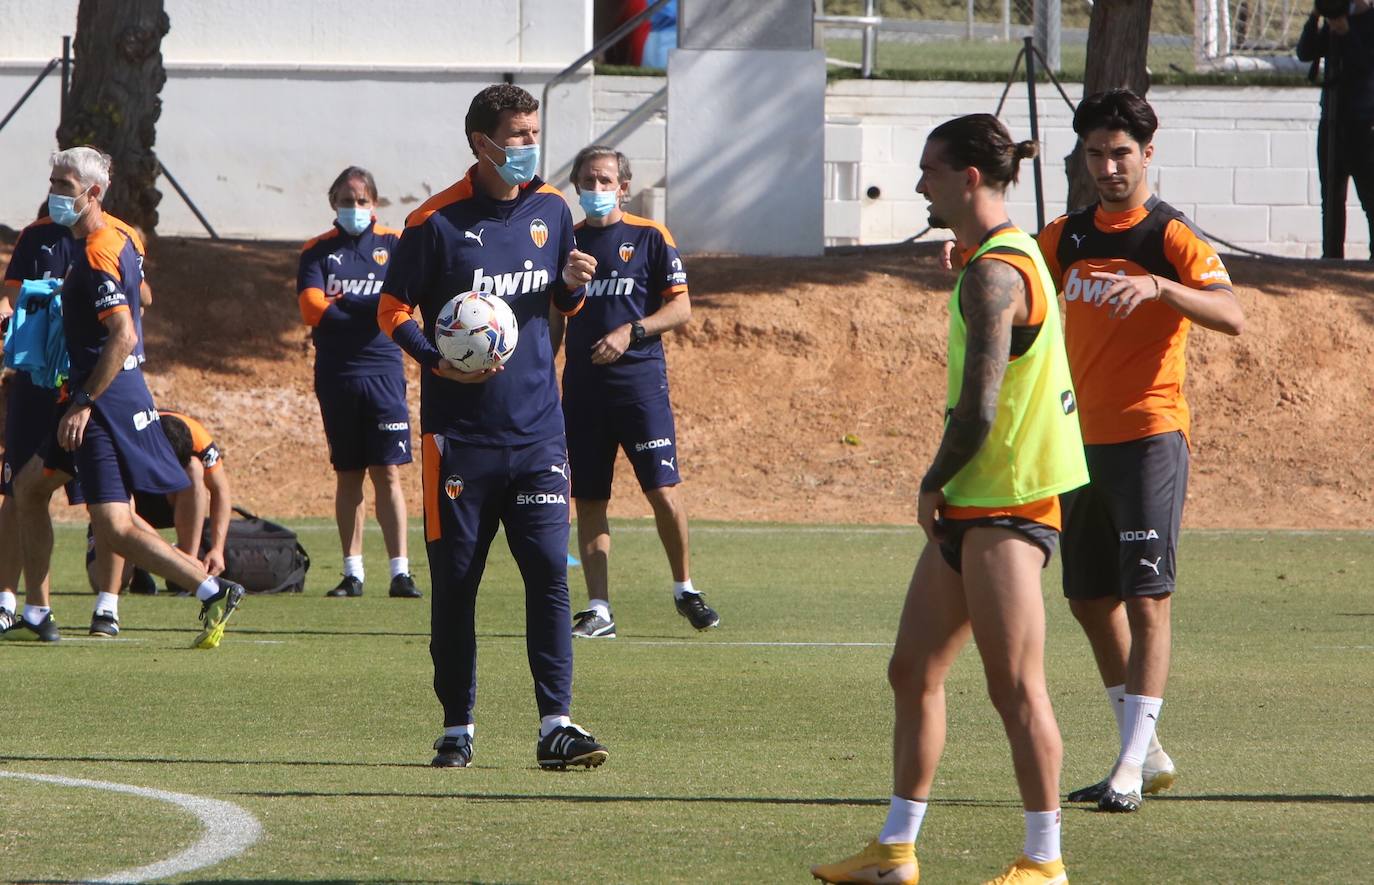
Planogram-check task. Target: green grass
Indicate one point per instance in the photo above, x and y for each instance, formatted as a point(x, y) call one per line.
point(729, 762)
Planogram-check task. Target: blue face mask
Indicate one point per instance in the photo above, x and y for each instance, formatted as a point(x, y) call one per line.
point(354, 220)
point(521, 163)
point(599, 204)
point(62, 210)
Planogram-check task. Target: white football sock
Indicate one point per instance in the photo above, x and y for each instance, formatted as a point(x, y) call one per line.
point(400, 565)
point(107, 602)
point(35, 614)
point(455, 730)
point(1142, 714)
point(1116, 696)
point(601, 607)
point(353, 567)
point(8, 601)
point(681, 588)
point(207, 589)
point(904, 818)
point(552, 723)
point(1042, 836)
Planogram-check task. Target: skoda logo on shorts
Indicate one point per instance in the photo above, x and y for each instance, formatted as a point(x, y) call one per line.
point(539, 232)
point(453, 487)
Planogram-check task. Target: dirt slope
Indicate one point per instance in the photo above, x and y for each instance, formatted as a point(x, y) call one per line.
point(786, 357)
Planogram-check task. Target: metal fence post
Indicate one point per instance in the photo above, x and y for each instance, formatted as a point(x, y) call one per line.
point(66, 76)
point(870, 42)
point(1035, 135)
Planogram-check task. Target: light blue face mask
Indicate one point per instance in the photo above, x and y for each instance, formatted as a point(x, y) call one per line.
point(354, 220)
point(599, 204)
point(522, 161)
point(62, 210)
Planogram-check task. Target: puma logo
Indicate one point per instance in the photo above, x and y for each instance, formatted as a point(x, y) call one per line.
point(1154, 566)
point(47, 249)
point(670, 463)
point(560, 469)
point(469, 235)
point(1078, 239)
point(336, 257)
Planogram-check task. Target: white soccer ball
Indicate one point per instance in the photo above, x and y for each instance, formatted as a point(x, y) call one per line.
point(476, 331)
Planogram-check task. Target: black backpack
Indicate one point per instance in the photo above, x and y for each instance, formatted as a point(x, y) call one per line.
point(262, 556)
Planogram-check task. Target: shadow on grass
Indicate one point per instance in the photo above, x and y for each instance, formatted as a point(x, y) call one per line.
point(1302, 798)
point(823, 801)
point(161, 760)
point(280, 879)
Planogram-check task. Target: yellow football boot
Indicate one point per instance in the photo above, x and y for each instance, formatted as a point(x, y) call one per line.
point(885, 864)
point(1028, 872)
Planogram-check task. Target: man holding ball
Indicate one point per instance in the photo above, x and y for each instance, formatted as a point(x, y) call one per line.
point(493, 447)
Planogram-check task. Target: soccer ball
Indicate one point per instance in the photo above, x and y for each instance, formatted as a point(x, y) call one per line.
point(476, 331)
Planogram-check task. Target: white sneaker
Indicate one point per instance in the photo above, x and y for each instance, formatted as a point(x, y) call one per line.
point(1157, 774)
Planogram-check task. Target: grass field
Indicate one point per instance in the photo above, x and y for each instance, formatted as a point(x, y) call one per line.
point(739, 756)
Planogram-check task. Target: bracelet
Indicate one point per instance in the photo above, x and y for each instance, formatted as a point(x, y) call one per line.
point(1156, 282)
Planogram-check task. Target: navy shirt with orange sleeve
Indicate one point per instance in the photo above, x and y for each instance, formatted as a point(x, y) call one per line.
point(339, 283)
point(104, 278)
point(460, 241)
point(42, 252)
point(637, 269)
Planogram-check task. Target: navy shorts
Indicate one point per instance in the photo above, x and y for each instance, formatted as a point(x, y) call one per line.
point(31, 417)
point(366, 420)
point(952, 545)
point(114, 461)
point(1121, 529)
point(596, 430)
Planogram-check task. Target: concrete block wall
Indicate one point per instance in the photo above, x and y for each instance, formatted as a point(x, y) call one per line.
point(1240, 161)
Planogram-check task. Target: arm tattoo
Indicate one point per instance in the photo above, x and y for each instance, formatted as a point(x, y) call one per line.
point(991, 290)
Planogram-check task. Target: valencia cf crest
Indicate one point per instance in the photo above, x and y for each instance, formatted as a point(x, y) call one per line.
point(380, 255)
point(627, 251)
point(539, 232)
point(453, 487)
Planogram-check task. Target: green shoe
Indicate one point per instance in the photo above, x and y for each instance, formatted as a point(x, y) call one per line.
point(215, 612)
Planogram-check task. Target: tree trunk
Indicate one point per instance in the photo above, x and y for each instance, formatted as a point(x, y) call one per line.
point(1118, 37)
point(114, 105)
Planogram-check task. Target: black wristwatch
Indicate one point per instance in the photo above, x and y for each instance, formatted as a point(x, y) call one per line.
point(82, 400)
point(636, 332)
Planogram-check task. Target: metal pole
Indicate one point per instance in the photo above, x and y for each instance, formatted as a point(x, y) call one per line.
point(1047, 26)
point(870, 42)
point(968, 20)
point(66, 74)
point(23, 98)
point(186, 198)
point(1006, 20)
point(1035, 134)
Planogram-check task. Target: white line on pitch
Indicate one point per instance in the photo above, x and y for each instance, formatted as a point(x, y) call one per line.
point(99, 640)
point(709, 643)
point(228, 830)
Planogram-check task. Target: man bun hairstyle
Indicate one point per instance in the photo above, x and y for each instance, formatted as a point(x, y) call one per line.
point(484, 114)
point(179, 435)
point(1116, 110)
point(981, 141)
point(350, 174)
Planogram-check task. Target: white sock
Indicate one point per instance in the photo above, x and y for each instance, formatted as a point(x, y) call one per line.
point(904, 818)
point(680, 588)
point(1142, 713)
point(8, 602)
point(353, 567)
point(455, 730)
point(35, 614)
point(400, 565)
point(601, 607)
point(107, 602)
point(1042, 836)
point(1116, 695)
point(208, 588)
point(551, 723)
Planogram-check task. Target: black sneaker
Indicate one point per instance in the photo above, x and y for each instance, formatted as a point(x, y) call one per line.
point(693, 607)
point(142, 583)
point(403, 587)
point(569, 745)
point(1092, 794)
point(1120, 803)
point(590, 625)
point(453, 751)
point(104, 623)
point(23, 631)
point(349, 586)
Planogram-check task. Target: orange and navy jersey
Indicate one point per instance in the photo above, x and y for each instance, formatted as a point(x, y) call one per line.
point(637, 268)
point(1046, 510)
point(339, 282)
point(1128, 373)
point(42, 252)
point(202, 444)
point(104, 278)
point(459, 241)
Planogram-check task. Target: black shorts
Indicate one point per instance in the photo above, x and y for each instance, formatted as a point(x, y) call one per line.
point(1121, 530)
point(952, 545)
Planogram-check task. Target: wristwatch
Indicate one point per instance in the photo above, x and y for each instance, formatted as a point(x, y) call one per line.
point(82, 400)
point(636, 332)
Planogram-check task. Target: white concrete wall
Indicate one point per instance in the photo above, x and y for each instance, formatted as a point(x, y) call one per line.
point(266, 100)
point(1240, 161)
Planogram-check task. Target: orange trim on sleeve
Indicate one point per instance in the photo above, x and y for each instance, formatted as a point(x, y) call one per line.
point(429, 477)
point(392, 312)
point(103, 248)
point(576, 310)
point(14, 283)
point(459, 191)
point(385, 231)
point(547, 188)
point(673, 292)
point(112, 311)
point(129, 231)
point(329, 234)
point(313, 303)
point(637, 221)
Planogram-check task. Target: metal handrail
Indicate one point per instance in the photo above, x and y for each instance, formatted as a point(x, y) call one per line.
point(600, 46)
